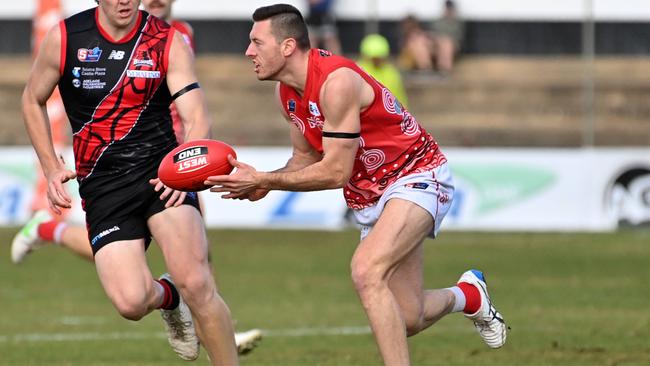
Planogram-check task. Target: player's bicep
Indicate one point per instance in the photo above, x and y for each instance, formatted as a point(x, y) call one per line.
point(180, 64)
point(341, 106)
point(185, 90)
point(340, 101)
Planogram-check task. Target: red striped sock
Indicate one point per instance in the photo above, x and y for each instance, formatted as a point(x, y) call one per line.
point(170, 295)
point(472, 297)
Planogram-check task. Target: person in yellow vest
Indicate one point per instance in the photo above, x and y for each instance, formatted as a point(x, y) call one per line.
point(375, 52)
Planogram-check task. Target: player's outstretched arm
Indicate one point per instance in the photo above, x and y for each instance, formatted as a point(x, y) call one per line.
point(182, 81)
point(341, 101)
point(41, 83)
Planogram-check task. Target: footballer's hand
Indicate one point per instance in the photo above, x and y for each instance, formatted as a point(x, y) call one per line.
point(237, 185)
point(174, 198)
point(57, 195)
point(257, 194)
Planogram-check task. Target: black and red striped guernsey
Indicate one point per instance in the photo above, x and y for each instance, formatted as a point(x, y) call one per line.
point(117, 100)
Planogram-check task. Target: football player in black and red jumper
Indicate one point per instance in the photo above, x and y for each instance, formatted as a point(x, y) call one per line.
point(113, 67)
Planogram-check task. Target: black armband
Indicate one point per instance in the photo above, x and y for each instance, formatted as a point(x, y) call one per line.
point(342, 135)
point(185, 90)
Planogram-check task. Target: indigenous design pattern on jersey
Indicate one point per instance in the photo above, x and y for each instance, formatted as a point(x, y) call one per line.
point(118, 105)
point(392, 143)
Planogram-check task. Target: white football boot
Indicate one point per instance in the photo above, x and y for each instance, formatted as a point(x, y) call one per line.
point(487, 320)
point(180, 329)
point(27, 238)
point(248, 340)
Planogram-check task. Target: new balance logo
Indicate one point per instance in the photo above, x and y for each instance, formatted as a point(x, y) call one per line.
point(116, 55)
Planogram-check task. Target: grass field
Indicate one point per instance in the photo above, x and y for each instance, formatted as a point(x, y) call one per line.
point(571, 299)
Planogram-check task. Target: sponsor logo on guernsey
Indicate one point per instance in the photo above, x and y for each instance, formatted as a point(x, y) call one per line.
point(93, 84)
point(116, 55)
point(291, 105)
point(75, 72)
point(143, 74)
point(104, 233)
point(76, 83)
point(191, 159)
point(418, 185)
point(89, 54)
point(313, 109)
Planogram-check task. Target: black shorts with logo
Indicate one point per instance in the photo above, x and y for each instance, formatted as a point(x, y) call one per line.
point(122, 213)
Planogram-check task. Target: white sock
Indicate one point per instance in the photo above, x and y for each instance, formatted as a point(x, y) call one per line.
point(459, 304)
point(58, 232)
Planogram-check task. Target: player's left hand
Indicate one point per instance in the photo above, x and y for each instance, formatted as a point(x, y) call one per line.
point(176, 198)
point(238, 185)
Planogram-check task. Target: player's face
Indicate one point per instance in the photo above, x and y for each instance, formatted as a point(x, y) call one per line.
point(120, 13)
point(159, 8)
point(264, 51)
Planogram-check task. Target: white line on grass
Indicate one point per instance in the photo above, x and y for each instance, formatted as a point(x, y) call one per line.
point(79, 337)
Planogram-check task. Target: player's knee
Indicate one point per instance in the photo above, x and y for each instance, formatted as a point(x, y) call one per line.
point(195, 287)
point(131, 308)
point(366, 278)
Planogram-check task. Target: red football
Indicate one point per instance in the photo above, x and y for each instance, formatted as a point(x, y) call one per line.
point(187, 166)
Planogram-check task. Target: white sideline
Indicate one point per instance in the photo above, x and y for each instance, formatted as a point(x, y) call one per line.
point(95, 336)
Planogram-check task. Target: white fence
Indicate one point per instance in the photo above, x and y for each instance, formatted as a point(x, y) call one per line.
point(497, 189)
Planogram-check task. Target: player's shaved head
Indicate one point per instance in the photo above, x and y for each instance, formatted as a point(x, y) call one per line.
point(286, 22)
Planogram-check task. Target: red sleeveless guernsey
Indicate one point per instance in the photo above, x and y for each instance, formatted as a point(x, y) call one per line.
point(392, 143)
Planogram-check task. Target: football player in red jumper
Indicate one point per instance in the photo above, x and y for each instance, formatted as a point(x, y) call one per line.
point(349, 131)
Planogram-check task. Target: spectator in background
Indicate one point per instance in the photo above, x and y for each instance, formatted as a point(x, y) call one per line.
point(322, 26)
point(417, 46)
point(375, 51)
point(432, 51)
point(448, 33)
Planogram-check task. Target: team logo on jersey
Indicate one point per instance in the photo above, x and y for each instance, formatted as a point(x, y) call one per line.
point(89, 55)
point(313, 109)
point(291, 105)
point(116, 55)
point(142, 59)
point(76, 83)
point(139, 62)
point(325, 53)
point(75, 72)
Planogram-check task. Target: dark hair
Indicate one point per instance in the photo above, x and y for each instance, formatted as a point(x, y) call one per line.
point(286, 22)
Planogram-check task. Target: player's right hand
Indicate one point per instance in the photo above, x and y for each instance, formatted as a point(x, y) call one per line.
point(57, 195)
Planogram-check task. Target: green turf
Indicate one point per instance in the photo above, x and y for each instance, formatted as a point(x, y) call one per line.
point(571, 299)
